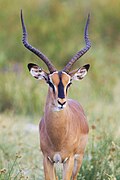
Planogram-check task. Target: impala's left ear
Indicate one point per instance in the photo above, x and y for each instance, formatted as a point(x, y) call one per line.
point(79, 73)
point(37, 72)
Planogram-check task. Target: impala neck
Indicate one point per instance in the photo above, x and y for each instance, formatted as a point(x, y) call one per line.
point(51, 113)
point(56, 122)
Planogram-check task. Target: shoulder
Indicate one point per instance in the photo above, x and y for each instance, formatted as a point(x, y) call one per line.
point(73, 104)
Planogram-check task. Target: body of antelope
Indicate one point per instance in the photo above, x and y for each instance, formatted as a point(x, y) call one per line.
point(63, 128)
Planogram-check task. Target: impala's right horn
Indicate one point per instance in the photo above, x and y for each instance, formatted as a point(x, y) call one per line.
point(82, 51)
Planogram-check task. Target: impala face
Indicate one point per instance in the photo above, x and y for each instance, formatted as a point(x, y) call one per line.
point(59, 82)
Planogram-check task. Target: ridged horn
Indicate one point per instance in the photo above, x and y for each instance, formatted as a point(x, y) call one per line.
point(82, 51)
point(34, 50)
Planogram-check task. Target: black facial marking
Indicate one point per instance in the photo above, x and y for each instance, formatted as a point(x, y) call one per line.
point(51, 85)
point(68, 86)
point(60, 88)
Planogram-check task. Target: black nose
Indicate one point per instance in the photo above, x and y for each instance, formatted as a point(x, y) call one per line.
point(61, 103)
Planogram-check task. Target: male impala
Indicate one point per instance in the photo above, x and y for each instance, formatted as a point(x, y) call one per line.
point(63, 128)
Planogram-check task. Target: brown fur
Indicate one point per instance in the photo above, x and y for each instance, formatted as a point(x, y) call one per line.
point(64, 132)
point(63, 128)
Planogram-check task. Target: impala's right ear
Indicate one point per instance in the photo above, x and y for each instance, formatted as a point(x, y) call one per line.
point(37, 72)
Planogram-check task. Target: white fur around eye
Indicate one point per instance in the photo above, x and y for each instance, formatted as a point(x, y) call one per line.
point(51, 89)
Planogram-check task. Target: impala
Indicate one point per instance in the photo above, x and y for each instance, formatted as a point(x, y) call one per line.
point(63, 128)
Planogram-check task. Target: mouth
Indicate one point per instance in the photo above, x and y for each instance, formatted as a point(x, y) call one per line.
point(61, 107)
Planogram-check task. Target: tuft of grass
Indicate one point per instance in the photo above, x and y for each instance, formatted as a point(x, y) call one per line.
point(20, 156)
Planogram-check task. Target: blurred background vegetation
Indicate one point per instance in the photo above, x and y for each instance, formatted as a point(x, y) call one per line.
point(56, 28)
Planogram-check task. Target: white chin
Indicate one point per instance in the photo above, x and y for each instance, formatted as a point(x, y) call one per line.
point(58, 108)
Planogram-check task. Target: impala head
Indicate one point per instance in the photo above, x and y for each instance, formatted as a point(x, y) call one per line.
point(58, 81)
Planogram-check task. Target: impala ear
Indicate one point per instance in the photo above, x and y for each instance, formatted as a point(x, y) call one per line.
point(80, 73)
point(37, 72)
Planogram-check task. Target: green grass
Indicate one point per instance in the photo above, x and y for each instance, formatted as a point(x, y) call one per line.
point(20, 155)
point(19, 147)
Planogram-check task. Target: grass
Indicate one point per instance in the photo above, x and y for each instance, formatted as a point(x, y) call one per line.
point(20, 157)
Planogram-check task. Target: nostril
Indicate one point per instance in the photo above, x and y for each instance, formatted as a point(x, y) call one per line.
point(61, 103)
